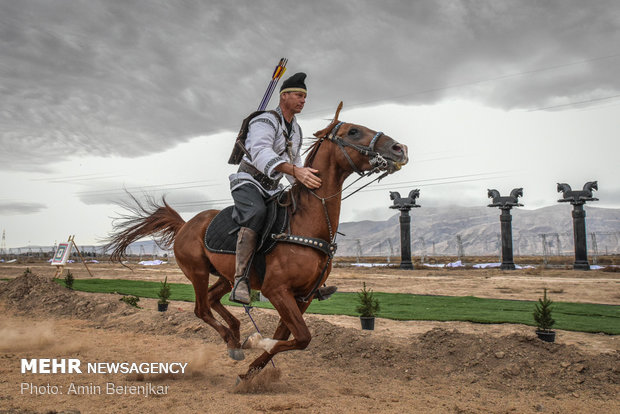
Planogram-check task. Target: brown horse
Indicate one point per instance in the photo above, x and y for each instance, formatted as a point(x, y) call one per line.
point(293, 271)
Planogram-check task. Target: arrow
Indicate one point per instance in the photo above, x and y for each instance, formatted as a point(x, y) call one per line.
point(275, 78)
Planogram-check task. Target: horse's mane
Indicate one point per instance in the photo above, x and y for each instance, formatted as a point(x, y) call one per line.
point(297, 189)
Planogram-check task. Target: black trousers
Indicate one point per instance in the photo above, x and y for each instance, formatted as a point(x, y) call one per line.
point(250, 209)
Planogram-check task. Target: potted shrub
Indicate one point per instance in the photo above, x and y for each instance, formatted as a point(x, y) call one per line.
point(544, 321)
point(163, 294)
point(368, 308)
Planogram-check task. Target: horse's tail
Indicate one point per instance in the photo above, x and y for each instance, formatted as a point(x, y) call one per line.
point(162, 222)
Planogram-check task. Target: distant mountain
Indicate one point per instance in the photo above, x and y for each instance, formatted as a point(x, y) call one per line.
point(435, 230)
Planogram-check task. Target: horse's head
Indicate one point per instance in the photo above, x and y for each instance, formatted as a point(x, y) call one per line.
point(492, 193)
point(563, 188)
point(414, 194)
point(590, 185)
point(394, 195)
point(364, 149)
point(516, 193)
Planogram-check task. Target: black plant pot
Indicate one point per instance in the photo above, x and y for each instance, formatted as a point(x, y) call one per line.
point(547, 336)
point(162, 307)
point(368, 322)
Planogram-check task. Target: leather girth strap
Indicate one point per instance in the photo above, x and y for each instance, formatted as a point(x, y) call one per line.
point(328, 248)
point(319, 244)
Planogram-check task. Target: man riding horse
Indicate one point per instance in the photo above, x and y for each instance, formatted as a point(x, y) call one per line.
point(273, 147)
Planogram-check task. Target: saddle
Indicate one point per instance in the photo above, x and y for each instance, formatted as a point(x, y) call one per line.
point(221, 235)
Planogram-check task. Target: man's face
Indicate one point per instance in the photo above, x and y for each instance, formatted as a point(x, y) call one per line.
point(293, 101)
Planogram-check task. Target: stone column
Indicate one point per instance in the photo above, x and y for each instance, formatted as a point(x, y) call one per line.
point(505, 204)
point(405, 240)
point(506, 225)
point(578, 198)
point(404, 205)
point(579, 236)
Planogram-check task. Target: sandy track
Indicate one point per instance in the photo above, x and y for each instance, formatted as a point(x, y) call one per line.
point(400, 367)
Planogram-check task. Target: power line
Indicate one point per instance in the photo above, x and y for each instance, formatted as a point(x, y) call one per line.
point(168, 186)
point(456, 179)
point(575, 103)
point(93, 176)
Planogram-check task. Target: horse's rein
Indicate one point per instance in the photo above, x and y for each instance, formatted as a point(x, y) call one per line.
point(377, 162)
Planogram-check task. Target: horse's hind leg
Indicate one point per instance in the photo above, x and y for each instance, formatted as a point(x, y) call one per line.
point(216, 292)
point(203, 311)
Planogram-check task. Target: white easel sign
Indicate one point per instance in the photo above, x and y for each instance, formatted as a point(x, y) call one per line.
point(62, 254)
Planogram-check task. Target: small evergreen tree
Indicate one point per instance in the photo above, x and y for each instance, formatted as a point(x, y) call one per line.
point(69, 280)
point(369, 306)
point(164, 292)
point(542, 313)
point(131, 300)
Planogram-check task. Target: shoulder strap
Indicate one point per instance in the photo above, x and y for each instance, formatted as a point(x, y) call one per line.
point(239, 149)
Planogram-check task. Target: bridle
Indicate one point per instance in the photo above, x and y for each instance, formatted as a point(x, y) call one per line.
point(376, 160)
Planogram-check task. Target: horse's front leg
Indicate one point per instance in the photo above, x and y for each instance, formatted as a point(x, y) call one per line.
point(282, 333)
point(291, 321)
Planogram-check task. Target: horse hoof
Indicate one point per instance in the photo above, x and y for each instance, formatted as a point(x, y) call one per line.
point(238, 381)
point(251, 341)
point(236, 354)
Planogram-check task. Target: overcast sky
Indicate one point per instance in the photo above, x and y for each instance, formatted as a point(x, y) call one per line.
point(101, 95)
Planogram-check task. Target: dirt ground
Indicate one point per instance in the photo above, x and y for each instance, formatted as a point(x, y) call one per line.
point(410, 366)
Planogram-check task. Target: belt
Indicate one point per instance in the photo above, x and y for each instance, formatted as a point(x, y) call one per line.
point(266, 182)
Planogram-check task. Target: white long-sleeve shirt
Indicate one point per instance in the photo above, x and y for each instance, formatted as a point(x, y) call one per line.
point(266, 143)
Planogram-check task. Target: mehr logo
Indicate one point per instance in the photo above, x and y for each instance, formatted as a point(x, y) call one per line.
point(72, 366)
point(51, 366)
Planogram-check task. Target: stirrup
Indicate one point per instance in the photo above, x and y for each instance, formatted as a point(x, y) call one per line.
point(243, 297)
point(325, 292)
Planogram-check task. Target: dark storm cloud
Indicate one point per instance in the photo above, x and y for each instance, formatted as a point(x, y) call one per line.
point(133, 77)
point(19, 208)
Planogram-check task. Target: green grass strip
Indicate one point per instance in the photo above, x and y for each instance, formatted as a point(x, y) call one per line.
point(583, 317)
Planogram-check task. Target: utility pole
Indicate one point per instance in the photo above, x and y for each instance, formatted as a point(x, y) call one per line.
point(3, 245)
point(459, 247)
point(358, 250)
point(545, 251)
point(594, 248)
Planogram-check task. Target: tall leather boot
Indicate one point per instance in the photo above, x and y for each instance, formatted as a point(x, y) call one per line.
point(246, 246)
